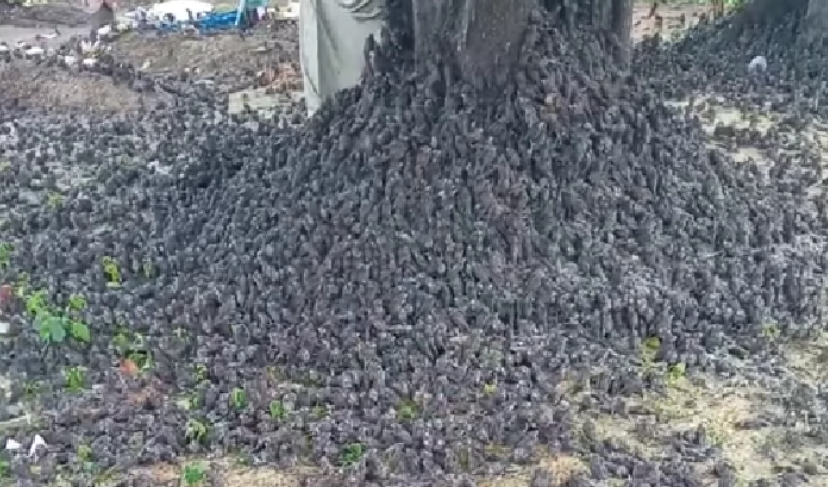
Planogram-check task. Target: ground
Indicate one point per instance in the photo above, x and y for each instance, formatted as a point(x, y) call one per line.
point(265, 57)
point(731, 414)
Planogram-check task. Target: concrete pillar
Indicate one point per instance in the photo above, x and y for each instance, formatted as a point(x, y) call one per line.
point(332, 40)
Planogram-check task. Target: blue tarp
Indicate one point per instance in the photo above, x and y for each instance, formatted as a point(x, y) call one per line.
point(209, 21)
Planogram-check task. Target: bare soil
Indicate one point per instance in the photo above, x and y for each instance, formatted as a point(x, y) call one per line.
point(66, 13)
point(674, 18)
point(265, 57)
point(52, 87)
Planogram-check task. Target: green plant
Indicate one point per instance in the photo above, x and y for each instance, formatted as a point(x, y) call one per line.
point(31, 389)
point(142, 359)
point(649, 350)
point(79, 331)
point(188, 403)
point(76, 303)
point(407, 410)
point(111, 271)
point(319, 412)
point(133, 347)
point(54, 200)
point(52, 326)
point(85, 457)
point(675, 374)
point(121, 341)
point(238, 398)
point(195, 430)
point(351, 454)
point(53, 329)
point(193, 475)
point(36, 303)
point(147, 269)
point(201, 373)
point(490, 388)
point(84, 453)
point(771, 331)
point(5, 469)
point(75, 379)
point(277, 410)
point(21, 287)
point(6, 250)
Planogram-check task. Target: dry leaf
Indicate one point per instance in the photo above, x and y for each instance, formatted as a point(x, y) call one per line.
point(6, 296)
point(128, 367)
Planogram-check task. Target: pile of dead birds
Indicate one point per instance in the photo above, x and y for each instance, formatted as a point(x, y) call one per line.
point(717, 56)
point(398, 288)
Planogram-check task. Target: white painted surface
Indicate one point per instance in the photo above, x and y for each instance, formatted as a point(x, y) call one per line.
point(178, 9)
point(332, 38)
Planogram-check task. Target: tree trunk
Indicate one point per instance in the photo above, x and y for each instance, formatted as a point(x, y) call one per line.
point(622, 24)
point(484, 36)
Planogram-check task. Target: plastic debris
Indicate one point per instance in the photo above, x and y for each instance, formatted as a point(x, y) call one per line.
point(38, 443)
point(758, 65)
point(12, 445)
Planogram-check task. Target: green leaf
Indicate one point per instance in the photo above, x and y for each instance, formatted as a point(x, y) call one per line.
point(43, 330)
point(80, 332)
point(36, 303)
point(77, 302)
point(50, 328)
point(57, 329)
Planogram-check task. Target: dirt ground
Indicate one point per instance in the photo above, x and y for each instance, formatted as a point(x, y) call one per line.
point(56, 87)
point(265, 57)
point(668, 20)
point(267, 53)
point(66, 13)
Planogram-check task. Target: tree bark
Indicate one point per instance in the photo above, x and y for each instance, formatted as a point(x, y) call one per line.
point(610, 16)
point(622, 24)
point(817, 19)
point(484, 36)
